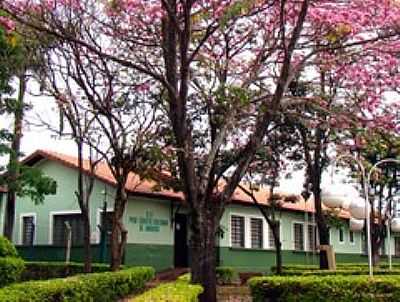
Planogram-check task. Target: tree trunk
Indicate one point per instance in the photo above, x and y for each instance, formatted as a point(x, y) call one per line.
point(13, 169)
point(323, 230)
point(118, 232)
point(203, 253)
point(87, 246)
point(278, 247)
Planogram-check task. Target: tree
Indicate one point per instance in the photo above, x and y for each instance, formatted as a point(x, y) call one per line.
point(215, 61)
point(17, 58)
point(109, 118)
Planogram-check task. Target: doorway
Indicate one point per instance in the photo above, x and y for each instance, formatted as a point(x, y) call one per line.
point(180, 240)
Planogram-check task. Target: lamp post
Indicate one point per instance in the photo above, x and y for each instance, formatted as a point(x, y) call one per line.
point(366, 181)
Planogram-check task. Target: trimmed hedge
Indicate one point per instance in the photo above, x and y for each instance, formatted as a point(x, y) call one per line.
point(342, 272)
point(178, 291)
point(329, 289)
point(50, 270)
point(7, 249)
point(10, 270)
point(99, 287)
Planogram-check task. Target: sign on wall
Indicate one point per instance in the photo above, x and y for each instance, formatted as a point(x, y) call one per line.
point(148, 223)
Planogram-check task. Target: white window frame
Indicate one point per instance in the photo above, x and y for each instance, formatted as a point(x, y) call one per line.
point(249, 217)
point(245, 231)
point(343, 241)
point(98, 218)
point(354, 238)
point(21, 226)
point(294, 239)
point(305, 228)
point(268, 233)
point(51, 220)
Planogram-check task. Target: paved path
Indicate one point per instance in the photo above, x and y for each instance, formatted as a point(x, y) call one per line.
point(233, 294)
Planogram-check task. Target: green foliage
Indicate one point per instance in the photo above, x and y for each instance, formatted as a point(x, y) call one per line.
point(99, 287)
point(7, 249)
point(225, 275)
point(330, 288)
point(179, 291)
point(50, 270)
point(10, 270)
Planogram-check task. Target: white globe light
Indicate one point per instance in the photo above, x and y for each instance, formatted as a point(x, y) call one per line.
point(333, 196)
point(352, 192)
point(346, 204)
point(356, 225)
point(395, 225)
point(357, 208)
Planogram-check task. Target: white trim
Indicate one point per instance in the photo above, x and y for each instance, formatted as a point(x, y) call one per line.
point(21, 226)
point(51, 220)
point(230, 228)
point(98, 213)
point(341, 229)
point(294, 238)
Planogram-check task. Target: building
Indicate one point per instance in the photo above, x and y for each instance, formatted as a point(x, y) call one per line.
point(157, 224)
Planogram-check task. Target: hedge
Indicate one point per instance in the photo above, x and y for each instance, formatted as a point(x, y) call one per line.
point(329, 289)
point(10, 270)
point(7, 249)
point(342, 272)
point(179, 291)
point(96, 287)
point(50, 270)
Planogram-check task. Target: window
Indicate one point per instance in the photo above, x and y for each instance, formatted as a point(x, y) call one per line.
point(351, 236)
point(298, 236)
point(363, 243)
point(106, 222)
point(341, 235)
point(28, 230)
point(397, 246)
point(237, 231)
point(60, 229)
point(256, 228)
point(312, 237)
point(271, 240)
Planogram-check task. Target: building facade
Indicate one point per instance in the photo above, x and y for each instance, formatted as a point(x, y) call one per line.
point(158, 233)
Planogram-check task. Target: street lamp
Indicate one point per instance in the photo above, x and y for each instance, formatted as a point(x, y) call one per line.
point(337, 199)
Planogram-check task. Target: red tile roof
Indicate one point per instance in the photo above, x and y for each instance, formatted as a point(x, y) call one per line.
point(3, 189)
point(145, 187)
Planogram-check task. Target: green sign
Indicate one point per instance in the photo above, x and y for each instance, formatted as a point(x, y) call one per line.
point(148, 223)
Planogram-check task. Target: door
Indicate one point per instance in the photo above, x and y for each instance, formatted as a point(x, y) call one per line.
point(180, 237)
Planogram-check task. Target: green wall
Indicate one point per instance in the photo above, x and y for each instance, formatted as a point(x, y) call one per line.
point(150, 233)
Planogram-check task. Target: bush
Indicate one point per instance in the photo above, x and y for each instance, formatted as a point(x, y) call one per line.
point(50, 270)
point(179, 291)
point(330, 288)
point(7, 249)
point(342, 272)
point(225, 276)
point(99, 287)
point(10, 270)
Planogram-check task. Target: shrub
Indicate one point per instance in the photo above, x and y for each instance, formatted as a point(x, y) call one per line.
point(99, 287)
point(330, 288)
point(10, 270)
point(225, 276)
point(7, 249)
point(342, 272)
point(179, 291)
point(50, 270)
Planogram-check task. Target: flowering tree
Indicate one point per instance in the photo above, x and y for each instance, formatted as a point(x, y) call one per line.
point(216, 61)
